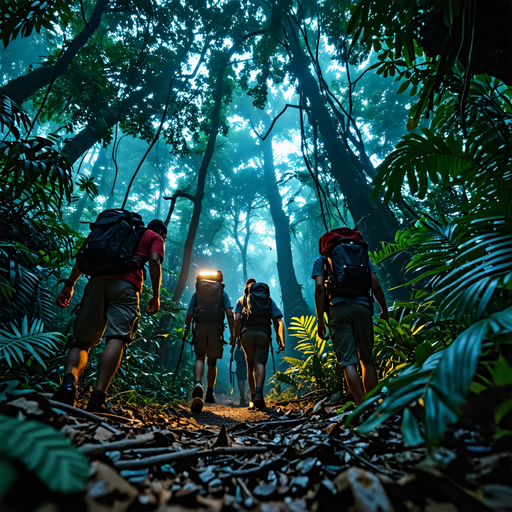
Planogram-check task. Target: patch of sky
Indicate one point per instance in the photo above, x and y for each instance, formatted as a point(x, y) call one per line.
point(238, 123)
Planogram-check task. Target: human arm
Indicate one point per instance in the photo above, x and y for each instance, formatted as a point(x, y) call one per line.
point(231, 324)
point(155, 273)
point(186, 329)
point(320, 304)
point(237, 327)
point(279, 329)
point(379, 297)
point(67, 291)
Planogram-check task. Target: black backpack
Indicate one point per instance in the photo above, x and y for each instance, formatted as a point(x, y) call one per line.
point(256, 306)
point(111, 244)
point(348, 269)
point(209, 302)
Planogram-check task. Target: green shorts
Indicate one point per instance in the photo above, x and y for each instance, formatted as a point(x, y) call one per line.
point(351, 329)
point(256, 343)
point(208, 341)
point(109, 307)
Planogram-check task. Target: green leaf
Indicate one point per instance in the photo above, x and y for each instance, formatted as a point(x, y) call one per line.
point(410, 429)
point(503, 409)
point(45, 451)
point(502, 373)
point(8, 476)
point(423, 352)
point(31, 339)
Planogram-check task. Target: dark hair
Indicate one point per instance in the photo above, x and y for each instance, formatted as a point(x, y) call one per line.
point(158, 226)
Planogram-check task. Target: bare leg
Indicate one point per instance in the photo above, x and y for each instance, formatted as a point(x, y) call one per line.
point(260, 374)
point(109, 363)
point(76, 361)
point(250, 378)
point(369, 376)
point(199, 369)
point(354, 383)
point(211, 376)
point(241, 388)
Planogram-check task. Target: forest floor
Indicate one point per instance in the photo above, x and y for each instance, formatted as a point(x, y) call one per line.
point(285, 458)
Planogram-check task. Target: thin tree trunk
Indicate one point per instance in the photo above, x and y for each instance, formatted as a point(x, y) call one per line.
point(21, 88)
point(242, 247)
point(291, 292)
point(201, 180)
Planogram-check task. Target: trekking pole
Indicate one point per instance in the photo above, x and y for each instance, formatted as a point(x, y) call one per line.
point(179, 360)
point(231, 374)
point(273, 360)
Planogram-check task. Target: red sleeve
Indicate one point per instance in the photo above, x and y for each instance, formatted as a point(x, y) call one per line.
point(156, 244)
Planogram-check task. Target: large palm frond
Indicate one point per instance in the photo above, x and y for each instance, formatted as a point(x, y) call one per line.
point(441, 383)
point(27, 338)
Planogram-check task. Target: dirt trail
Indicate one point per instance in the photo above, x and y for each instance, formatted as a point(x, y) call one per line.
point(227, 412)
point(281, 459)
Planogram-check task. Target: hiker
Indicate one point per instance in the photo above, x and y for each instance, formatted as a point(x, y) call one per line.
point(344, 279)
point(206, 308)
point(253, 315)
point(110, 303)
point(241, 374)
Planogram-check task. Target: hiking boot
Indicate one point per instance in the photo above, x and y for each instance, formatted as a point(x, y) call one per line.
point(66, 394)
point(97, 403)
point(210, 397)
point(197, 404)
point(259, 402)
point(197, 392)
point(242, 403)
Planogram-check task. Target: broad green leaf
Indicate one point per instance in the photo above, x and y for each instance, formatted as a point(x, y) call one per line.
point(45, 451)
point(410, 430)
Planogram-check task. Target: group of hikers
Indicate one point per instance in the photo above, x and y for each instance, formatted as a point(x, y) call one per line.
point(114, 256)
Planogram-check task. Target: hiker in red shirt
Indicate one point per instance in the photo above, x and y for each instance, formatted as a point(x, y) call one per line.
point(110, 309)
point(345, 279)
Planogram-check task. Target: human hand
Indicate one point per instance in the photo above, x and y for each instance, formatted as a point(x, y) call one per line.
point(280, 345)
point(232, 339)
point(321, 329)
point(64, 297)
point(153, 305)
point(384, 315)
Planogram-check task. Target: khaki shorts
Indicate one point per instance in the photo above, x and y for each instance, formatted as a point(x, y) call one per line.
point(256, 343)
point(109, 307)
point(351, 329)
point(208, 341)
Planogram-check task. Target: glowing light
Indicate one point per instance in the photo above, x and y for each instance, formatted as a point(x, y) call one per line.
point(209, 273)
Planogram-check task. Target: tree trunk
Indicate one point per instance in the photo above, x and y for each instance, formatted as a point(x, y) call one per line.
point(201, 180)
point(291, 292)
point(377, 223)
point(90, 135)
point(21, 88)
point(242, 247)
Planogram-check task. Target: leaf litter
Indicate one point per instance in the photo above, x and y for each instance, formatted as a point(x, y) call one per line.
point(287, 458)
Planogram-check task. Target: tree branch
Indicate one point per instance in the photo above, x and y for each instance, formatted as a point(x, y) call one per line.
point(173, 199)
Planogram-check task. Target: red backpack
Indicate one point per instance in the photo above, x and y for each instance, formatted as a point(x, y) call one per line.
point(347, 264)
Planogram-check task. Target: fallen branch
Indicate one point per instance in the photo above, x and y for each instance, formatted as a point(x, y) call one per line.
point(83, 414)
point(368, 464)
point(274, 424)
point(184, 454)
point(97, 449)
